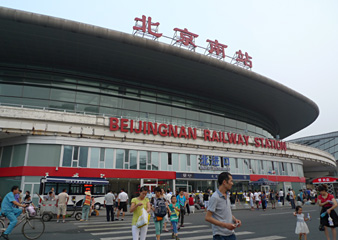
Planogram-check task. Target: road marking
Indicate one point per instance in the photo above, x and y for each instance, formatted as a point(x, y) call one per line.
point(129, 227)
point(266, 238)
point(86, 225)
point(210, 236)
point(152, 235)
point(269, 214)
point(149, 230)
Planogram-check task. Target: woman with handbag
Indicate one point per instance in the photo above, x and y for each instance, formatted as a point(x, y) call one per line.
point(328, 216)
point(137, 206)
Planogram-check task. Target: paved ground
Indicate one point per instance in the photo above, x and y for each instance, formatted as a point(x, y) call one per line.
point(257, 225)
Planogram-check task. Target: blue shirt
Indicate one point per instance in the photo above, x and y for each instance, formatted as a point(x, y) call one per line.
point(181, 200)
point(7, 202)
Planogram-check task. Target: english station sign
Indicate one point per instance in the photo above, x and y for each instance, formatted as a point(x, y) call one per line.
point(169, 130)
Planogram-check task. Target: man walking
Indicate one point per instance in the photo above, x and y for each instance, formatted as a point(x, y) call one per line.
point(182, 201)
point(61, 204)
point(9, 211)
point(109, 205)
point(122, 204)
point(292, 199)
point(281, 196)
point(219, 211)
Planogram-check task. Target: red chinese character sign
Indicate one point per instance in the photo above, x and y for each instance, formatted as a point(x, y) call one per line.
point(145, 27)
point(216, 49)
point(243, 60)
point(184, 38)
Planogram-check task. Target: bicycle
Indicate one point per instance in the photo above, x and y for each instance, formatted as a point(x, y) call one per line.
point(32, 228)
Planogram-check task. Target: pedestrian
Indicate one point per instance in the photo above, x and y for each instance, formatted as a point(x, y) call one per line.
point(206, 200)
point(50, 197)
point(292, 199)
point(272, 198)
point(30, 205)
point(219, 211)
point(86, 206)
point(10, 211)
point(122, 204)
point(136, 208)
point(251, 196)
point(237, 198)
point(174, 209)
point(263, 199)
point(159, 208)
point(281, 196)
point(191, 204)
point(53, 192)
point(109, 205)
point(61, 204)
point(182, 201)
point(166, 217)
point(328, 216)
point(186, 194)
point(301, 226)
point(257, 199)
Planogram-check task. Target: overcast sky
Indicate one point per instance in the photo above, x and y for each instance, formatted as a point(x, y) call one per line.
point(292, 42)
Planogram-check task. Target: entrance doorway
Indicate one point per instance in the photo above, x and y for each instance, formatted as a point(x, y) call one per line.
point(151, 184)
point(265, 188)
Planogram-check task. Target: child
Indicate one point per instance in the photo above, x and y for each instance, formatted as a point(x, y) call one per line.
point(301, 227)
point(29, 204)
point(174, 209)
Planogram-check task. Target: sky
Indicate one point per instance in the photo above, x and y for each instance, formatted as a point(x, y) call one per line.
point(292, 42)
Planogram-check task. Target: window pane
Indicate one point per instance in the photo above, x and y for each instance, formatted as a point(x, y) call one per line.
point(6, 156)
point(164, 161)
point(94, 157)
point(45, 155)
point(10, 90)
point(19, 154)
point(87, 98)
point(62, 95)
point(67, 156)
point(83, 156)
point(133, 159)
point(175, 162)
point(183, 162)
point(246, 166)
point(36, 92)
point(109, 158)
point(76, 153)
point(143, 160)
point(119, 158)
point(154, 160)
point(193, 163)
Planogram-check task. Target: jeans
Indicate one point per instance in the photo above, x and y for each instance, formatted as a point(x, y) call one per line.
point(218, 237)
point(158, 226)
point(174, 224)
point(182, 212)
point(139, 233)
point(85, 212)
point(12, 217)
point(110, 211)
point(292, 203)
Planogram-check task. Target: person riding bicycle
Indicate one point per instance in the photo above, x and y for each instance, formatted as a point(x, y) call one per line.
point(9, 211)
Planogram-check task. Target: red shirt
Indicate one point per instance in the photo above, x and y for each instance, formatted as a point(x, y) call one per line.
point(191, 201)
point(328, 198)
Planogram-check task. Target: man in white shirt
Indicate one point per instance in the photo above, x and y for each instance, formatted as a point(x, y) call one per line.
point(257, 199)
point(109, 205)
point(122, 204)
point(281, 196)
point(292, 199)
point(251, 198)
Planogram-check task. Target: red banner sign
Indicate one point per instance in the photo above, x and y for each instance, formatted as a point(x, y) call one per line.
point(325, 180)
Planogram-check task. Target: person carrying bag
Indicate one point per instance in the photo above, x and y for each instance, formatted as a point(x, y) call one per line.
point(328, 216)
point(140, 207)
point(160, 210)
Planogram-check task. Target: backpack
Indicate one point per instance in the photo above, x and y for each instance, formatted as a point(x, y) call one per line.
point(160, 208)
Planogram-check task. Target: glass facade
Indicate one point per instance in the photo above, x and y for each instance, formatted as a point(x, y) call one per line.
point(60, 91)
point(95, 157)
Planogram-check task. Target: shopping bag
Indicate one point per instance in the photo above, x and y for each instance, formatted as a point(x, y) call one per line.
point(143, 219)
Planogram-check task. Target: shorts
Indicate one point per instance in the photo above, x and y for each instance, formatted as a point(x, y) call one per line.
point(257, 202)
point(62, 209)
point(272, 201)
point(123, 205)
point(206, 204)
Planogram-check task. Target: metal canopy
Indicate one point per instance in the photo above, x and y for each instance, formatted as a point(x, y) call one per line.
point(36, 40)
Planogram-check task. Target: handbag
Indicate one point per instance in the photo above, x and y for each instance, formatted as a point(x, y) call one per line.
point(143, 219)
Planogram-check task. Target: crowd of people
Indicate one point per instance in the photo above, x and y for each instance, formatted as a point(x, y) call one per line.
point(167, 209)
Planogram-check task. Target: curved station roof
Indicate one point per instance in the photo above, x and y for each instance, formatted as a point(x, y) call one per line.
point(38, 40)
